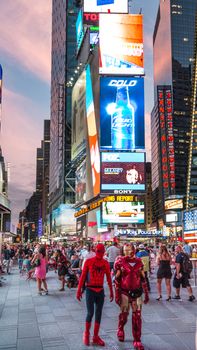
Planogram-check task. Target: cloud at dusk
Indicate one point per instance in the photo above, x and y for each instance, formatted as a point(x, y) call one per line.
point(25, 34)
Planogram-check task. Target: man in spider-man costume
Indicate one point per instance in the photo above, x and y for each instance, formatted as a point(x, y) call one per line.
point(130, 283)
point(93, 274)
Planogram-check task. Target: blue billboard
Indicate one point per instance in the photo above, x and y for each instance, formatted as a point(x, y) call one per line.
point(121, 113)
point(79, 29)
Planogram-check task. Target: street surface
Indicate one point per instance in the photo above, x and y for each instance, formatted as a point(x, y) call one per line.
point(56, 321)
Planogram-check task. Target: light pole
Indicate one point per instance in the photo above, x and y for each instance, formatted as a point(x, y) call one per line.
point(22, 229)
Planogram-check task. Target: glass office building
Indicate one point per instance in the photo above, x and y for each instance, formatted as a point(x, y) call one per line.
point(174, 57)
point(64, 63)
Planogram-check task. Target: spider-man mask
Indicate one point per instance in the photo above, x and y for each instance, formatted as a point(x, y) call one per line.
point(100, 251)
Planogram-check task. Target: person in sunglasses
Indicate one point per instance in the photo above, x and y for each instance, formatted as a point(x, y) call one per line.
point(93, 273)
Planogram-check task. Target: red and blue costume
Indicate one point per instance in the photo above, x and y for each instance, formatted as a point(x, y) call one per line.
point(93, 274)
point(130, 283)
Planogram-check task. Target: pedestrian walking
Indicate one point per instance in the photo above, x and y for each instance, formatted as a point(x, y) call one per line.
point(164, 271)
point(93, 274)
point(145, 257)
point(40, 270)
point(62, 264)
point(112, 253)
point(182, 274)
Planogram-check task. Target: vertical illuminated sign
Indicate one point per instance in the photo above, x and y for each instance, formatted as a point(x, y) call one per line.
point(166, 139)
point(92, 134)
point(170, 138)
point(79, 29)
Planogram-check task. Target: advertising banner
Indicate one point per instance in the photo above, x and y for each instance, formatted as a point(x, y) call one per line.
point(92, 134)
point(121, 113)
point(123, 213)
point(117, 6)
point(121, 44)
point(122, 173)
point(80, 183)
point(78, 116)
point(173, 204)
point(63, 219)
point(81, 226)
point(79, 30)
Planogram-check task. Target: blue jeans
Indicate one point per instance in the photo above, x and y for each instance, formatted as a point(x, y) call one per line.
point(96, 298)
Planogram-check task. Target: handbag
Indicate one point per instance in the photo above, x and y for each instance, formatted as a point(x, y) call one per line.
point(37, 262)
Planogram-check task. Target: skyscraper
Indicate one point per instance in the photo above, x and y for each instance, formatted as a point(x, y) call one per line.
point(63, 66)
point(174, 54)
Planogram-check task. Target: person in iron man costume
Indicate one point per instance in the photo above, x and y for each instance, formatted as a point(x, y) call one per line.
point(130, 283)
point(93, 274)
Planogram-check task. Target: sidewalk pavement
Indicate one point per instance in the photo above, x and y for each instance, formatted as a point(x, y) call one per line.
point(56, 321)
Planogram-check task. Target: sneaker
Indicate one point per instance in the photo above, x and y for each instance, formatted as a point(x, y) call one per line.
point(176, 297)
point(191, 298)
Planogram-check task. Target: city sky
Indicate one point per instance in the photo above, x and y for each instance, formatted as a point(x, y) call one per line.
point(25, 46)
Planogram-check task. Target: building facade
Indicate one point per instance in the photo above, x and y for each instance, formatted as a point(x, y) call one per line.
point(63, 70)
point(174, 54)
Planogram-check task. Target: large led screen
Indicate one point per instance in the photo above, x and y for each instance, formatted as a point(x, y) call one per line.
point(122, 172)
point(92, 133)
point(117, 6)
point(173, 204)
point(80, 183)
point(121, 44)
point(79, 30)
point(126, 213)
point(78, 116)
point(121, 113)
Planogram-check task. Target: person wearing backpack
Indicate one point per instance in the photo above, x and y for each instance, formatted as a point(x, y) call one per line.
point(182, 274)
point(130, 283)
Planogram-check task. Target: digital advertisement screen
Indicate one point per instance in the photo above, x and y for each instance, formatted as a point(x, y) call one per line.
point(63, 218)
point(94, 38)
point(80, 183)
point(122, 172)
point(121, 113)
point(92, 133)
point(79, 29)
point(126, 212)
point(78, 116)
point(171, 217)
point(81, 226)
point(121, 44)
point(117, 6)
point(173, 204)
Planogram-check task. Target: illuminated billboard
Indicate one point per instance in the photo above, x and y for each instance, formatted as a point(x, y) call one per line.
point(172, 217)
point(78, 116)
point(63, 219)
point(92, 134)
point(80, 183)
point(121, 44)
point(117, 6)
point(79, 30)
point(173, 204)
point(122, 173)
point(123, 213)
point(121, 113)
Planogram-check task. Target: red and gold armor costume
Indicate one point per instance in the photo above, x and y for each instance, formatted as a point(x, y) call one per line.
point(129, 286)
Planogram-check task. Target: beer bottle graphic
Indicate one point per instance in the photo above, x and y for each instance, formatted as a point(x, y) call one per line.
point(122, 121)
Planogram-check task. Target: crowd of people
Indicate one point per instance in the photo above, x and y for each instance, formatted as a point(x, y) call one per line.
point(125, 266)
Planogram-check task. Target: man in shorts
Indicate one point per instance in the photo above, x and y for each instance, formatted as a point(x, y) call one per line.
point(181, 277)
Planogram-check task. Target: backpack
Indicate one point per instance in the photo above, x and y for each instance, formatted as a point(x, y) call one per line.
point(186, 264)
